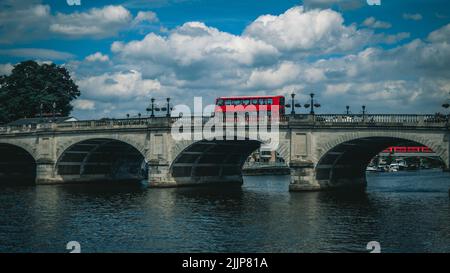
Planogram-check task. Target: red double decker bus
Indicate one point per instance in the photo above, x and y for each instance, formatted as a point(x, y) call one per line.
point(260, 103)
point(409, 149)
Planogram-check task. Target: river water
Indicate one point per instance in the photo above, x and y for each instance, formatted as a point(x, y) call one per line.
point(404, 212)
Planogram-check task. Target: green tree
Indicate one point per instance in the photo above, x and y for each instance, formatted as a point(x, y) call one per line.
point(30, 85)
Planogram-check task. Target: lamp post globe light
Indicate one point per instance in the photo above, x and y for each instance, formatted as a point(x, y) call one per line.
point(293, 105)
point(363, 112)
point(168, 107)
point(446, 105)
point(312, 104)
point(151, 108)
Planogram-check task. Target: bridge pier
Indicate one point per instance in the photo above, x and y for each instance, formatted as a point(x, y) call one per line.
point(159, 175)
point(45, 170)
point(303, 176)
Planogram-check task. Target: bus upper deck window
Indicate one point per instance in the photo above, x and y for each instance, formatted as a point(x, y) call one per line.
point(220, 102)
point(246, 102)
point(237, 102)
point(254, 101)
point(228, 102)
point(269, 101)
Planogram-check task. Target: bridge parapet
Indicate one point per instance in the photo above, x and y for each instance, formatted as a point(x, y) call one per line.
point(304, 120)
point(356, 120)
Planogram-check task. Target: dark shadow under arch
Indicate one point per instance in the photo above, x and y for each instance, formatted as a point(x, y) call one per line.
point(214, 159)
point(346, 163)
point(101, 159)
point(17, 166)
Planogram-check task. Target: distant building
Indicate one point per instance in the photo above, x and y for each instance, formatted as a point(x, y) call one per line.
point(264, 155)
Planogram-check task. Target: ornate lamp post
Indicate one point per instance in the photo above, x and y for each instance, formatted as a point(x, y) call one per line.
point(156, 108)
point(348, 109)
point(152, 108)
point(168, 107)
point(293, 105)
point(363, 112)
point(446, 106)
point(312, 104)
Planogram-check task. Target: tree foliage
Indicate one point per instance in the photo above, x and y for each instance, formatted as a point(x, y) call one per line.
point(31, 84)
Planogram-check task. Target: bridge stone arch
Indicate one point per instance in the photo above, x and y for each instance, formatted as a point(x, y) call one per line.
point(25, 145)
point(342, 161)
point(96, 158)
point(204, 161)
point(65, 143)
point(282, 149)
point(18, 163)
point(433, 141)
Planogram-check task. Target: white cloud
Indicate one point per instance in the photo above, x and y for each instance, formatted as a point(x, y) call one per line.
point(344, 4)
point(194, 43)
point(22, 22)
point(276, 77)
point(391, 38)
point(146, 16)
point(37, 53)
point(298, 30)
point(374, 23)
point(313, 75)
point(117, 86)
point(412, 16)
point(96, 22)
point(441, 35)
point(34, 21)
point(81, 104)
point(97, 57)
point(337, 89)
point(5, 69)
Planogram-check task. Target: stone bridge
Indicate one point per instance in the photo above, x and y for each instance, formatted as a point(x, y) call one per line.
point(322, 151)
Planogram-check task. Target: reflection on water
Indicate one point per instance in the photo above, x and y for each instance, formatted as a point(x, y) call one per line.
point(405, 212)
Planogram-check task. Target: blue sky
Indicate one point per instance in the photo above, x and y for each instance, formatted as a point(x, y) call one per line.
point(392, 57)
